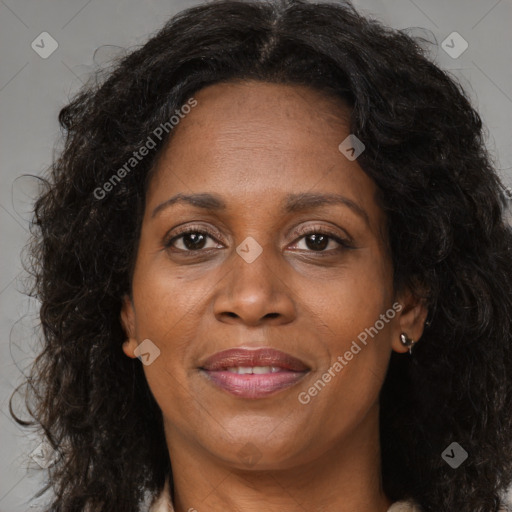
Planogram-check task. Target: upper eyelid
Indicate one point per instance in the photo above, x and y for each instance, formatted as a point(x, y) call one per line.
point(301, 232)
point(305, 230)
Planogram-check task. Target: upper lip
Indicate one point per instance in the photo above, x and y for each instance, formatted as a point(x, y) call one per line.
point(266, 356)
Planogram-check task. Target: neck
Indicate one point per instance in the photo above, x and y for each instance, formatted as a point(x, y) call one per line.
point(344, 478)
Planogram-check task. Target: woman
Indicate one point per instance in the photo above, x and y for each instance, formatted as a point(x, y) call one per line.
point(274, 275)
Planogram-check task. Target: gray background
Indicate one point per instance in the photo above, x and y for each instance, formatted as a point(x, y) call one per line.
point(89, 33)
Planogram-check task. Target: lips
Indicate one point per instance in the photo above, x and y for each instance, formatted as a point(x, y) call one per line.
point(255, 373)
point(236, 357)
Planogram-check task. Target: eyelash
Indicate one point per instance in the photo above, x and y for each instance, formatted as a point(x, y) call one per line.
point(185, 231)
point(303, 232)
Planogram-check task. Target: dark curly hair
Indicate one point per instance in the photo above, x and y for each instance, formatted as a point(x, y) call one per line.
point(437, 185)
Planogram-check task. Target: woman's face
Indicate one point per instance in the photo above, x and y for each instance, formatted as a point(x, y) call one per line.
point(267, 263)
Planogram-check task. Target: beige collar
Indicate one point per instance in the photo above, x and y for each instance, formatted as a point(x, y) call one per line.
point(163, 504)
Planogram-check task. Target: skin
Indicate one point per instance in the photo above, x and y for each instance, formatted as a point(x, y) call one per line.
point(252, 144)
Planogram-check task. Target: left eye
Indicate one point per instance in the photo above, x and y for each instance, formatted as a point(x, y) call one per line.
point(319, 242)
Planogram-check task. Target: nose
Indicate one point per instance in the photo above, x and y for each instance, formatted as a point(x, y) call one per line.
point(255, 293)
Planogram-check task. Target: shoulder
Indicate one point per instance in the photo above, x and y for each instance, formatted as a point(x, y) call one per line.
point(404, 506)
point(409, 506)
point(163, 501)
point(163, 504)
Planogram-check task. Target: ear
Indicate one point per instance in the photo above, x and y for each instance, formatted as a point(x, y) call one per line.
point(411, 319)
point(128, 323)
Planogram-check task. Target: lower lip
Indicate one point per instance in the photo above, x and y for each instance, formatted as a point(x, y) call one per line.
point(250, 385)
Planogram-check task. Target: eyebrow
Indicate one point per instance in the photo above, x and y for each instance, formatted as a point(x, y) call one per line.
point(293, 202)
point(205, 201)
point(309, 200)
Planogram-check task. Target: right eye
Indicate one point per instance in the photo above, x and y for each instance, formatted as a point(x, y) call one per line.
point(191, 240)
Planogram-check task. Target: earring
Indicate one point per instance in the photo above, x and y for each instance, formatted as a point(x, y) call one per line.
point(407, 342)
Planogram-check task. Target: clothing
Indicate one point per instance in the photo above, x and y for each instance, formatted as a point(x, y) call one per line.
point(404, 506)
point(163, 504)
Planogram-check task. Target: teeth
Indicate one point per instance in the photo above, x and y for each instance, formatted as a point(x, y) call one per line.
point(253, 369)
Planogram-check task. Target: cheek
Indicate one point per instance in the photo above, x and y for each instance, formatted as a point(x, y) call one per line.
point(348, 384)
point(179, 407)
point(354, 300)
point(165, 315)
point(356, 311)
point(164, 301)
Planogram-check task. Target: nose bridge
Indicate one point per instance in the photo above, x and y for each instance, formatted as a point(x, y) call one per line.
point(253, 266)
point(253, 289)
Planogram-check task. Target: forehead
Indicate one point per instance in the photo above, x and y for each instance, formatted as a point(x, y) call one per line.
point(259, 140)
